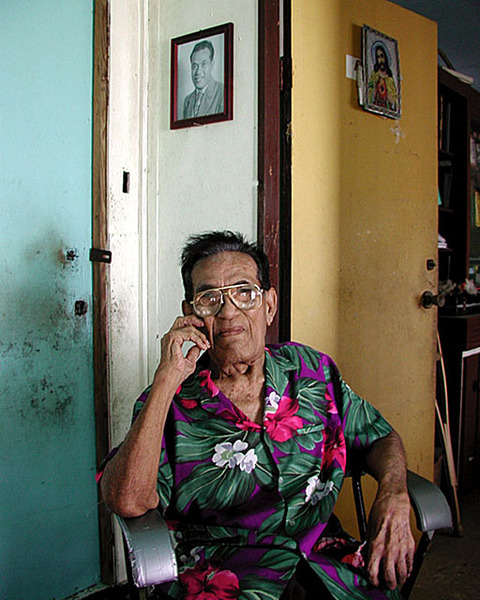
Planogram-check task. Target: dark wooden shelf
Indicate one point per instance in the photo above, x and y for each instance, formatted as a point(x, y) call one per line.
point(459, 110)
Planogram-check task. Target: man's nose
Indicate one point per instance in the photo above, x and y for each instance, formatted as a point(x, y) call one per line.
point(228, 307)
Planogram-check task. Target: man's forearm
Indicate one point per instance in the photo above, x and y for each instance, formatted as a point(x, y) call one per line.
point(387, 463)
point(390, 542)
point(129, 480)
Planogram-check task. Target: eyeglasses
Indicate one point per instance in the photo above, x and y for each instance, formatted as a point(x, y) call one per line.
point(245, 296)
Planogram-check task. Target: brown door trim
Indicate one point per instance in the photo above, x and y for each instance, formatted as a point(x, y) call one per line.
point(100, 269)
point(269, 142)
point(285, 289)
point(273, 159)
point(273, 232)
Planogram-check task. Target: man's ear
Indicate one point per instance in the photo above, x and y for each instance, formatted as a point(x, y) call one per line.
point(271, 302)
point(186, 308)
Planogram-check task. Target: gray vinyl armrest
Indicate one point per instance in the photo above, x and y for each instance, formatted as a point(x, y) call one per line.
point(429, 504)
point(150, 549)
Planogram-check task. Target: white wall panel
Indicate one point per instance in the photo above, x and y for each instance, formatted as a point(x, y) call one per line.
point(181, 181)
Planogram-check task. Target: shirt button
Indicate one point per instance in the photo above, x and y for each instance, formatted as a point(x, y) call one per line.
point(280, 480)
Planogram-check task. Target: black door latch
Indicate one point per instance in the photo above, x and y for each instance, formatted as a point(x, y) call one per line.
point(97, 255)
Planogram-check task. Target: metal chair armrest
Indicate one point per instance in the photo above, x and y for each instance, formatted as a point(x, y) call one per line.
point(152, 558)
point(150, 550)
point(431, 509)
point(432, 512)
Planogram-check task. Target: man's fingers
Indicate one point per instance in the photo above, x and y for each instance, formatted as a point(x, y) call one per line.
point(387, 568)
point(372, 568)
point(389, 574)
point(185, 329)
point(402, 572)
point(193, 354)
point(382, 571)
point(186, 321)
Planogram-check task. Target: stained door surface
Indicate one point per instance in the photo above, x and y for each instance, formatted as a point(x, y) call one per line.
point(48, 507)
point(364, 213)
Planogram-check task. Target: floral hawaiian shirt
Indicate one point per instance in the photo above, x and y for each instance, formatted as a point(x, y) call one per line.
point(247, 501)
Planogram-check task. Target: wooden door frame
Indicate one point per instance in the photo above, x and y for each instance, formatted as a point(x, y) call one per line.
point(273, 207)
point(101, 270)
point(274, 156)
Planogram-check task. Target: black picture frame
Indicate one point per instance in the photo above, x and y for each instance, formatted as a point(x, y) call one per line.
point(201, 84)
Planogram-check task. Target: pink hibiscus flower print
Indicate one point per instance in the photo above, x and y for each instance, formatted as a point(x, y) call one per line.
point(188, 403)
point(206, 381)
point(342, 549)
point(206, 583)
point(282, 424)
point(235, 415)
point(331, 406)
point(356, 558)
point(334, 448)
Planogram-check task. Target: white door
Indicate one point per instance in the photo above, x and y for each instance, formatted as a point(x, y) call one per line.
point(179, 181)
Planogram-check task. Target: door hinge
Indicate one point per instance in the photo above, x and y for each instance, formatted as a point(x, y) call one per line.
point(97, 255)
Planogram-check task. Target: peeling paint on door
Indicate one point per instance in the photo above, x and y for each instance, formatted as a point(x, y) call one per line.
point(48, 512)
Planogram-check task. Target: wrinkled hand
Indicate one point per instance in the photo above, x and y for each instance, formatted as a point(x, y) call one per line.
point(390, 542)
point(184, 330)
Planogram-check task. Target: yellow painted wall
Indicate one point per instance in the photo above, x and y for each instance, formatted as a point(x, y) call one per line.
point(364, 212)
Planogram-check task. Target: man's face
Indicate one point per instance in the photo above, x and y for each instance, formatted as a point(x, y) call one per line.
point(201, 66)
point(235, 335)
point(381, 59)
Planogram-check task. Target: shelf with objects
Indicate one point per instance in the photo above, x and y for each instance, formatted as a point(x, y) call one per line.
point(459, 266)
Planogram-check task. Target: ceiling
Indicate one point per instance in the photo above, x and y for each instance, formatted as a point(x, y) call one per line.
point(458, 31)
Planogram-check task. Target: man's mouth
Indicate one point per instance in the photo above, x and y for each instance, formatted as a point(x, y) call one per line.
point(230, 331)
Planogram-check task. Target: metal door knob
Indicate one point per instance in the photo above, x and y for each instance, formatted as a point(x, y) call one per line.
point(430, 299)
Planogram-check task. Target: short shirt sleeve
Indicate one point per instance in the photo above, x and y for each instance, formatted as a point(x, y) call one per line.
point(362, 423)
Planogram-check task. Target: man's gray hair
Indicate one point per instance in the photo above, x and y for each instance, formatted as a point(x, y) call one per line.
point(207, 244)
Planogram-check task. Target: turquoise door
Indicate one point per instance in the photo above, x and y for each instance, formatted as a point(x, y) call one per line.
point(48, 503)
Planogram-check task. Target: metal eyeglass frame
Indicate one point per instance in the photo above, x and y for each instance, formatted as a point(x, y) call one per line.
point(223, 290)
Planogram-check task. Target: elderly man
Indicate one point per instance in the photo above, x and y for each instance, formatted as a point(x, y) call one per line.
point(244, 448)
point(207, 97)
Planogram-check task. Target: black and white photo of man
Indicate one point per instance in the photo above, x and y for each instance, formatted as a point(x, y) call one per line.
point(208, 96)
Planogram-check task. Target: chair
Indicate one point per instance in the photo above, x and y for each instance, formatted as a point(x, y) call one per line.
point(431, 510)
point(150, 557)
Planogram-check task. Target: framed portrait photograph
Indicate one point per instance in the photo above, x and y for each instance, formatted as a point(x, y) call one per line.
point(202, 77)
point(381, 73)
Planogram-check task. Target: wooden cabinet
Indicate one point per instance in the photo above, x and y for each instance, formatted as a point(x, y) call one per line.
point(459, 259)
point(458, 179)
point(460, 338)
